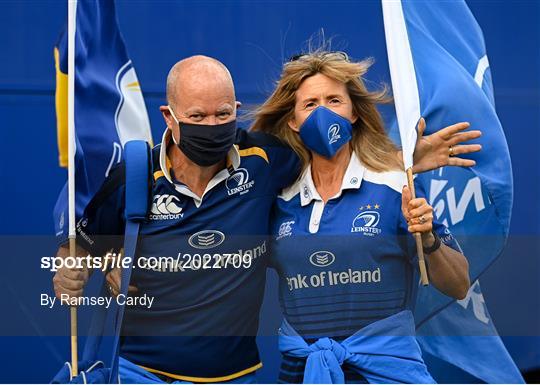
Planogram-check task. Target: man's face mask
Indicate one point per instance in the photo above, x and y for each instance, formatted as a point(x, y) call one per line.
point(325, 132)
point(205, 145)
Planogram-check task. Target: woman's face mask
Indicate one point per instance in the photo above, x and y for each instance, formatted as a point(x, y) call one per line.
point(325, 132)
point(205, 145)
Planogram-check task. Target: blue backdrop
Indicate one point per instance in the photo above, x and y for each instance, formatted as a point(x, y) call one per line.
point(252, 39)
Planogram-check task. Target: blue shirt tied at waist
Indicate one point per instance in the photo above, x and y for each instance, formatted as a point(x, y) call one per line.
point(385, 351)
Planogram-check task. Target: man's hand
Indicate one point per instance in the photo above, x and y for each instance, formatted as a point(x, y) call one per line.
point(70, 281)
point(440, 148)
point(114, 277)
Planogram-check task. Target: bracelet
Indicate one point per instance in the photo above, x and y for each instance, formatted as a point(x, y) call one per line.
point(435, 246)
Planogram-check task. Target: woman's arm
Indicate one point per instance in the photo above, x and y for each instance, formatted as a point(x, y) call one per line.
point(448, 269)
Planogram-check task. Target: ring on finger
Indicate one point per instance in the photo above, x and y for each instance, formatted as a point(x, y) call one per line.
point(422, 220)
point(451, 151)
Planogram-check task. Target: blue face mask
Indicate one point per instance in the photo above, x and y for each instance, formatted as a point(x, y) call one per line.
point(325, 132)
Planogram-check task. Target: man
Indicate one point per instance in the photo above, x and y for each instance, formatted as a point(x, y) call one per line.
point(212, 191)
point(210, 200)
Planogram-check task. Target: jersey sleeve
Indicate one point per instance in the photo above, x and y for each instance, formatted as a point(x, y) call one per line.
point(284, 163)
point(442, 231)
point(102, 224)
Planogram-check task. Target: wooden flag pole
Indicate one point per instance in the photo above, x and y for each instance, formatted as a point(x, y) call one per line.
point(73, 322)
point(418, 236)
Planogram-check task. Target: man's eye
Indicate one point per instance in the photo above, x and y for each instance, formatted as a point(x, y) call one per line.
point(195, 117)
point(224, 114)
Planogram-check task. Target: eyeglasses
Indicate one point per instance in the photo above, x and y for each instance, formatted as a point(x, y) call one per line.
point(338, 55)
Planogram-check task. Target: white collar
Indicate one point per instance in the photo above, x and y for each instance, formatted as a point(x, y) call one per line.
point(351, 180)
point(233, 159)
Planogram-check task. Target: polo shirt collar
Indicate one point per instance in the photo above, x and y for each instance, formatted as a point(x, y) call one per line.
point(233, 159)
point(351, 180)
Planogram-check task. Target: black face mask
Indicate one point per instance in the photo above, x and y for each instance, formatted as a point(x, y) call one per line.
point(206, 145)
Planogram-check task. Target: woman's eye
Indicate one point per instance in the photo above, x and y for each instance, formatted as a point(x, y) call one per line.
point(310, 105)
point(335, 101)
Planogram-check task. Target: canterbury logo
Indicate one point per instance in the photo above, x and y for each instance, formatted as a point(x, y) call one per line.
point(165, 207)
point(333, 133)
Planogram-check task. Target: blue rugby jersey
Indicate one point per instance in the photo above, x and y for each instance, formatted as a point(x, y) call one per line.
point(345, 264)
point(204, 318)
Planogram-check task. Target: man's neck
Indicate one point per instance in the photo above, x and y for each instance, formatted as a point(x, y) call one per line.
point(191, 174)
point(328, 174)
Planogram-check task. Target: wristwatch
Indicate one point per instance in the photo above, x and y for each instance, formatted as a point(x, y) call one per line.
point(435, 246)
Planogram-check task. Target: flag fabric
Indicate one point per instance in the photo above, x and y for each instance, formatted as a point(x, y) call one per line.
point(477, 349)
point(109, 105)
point(452, 83)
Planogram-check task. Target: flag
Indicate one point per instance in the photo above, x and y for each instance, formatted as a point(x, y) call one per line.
point(477, 349)
point(450, 81)
point(109, 105)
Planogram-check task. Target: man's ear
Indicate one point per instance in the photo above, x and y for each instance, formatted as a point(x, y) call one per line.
point(238, 104)
point(167, 116)
point(292, 125)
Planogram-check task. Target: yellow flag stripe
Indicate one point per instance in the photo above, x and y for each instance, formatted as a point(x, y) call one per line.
point(61, 103)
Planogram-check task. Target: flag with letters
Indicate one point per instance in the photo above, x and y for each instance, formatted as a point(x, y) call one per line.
point(448, 81)
point(109, 105)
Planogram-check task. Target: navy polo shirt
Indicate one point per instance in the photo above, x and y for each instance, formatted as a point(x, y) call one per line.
point(209, 289)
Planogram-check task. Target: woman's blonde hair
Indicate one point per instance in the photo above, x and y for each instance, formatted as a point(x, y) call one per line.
point(369, 140)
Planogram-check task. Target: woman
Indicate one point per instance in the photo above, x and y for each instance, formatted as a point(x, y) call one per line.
point(343, 246)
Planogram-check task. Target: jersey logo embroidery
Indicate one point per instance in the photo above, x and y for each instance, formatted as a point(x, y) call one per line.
point(239, 182)
point(206, 239)
point(165, 207)
point(367, 221)
point(322, 258)
point(285, 230)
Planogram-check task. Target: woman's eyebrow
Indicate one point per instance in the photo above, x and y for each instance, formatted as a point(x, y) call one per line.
point(332, 96)
point(312, 99)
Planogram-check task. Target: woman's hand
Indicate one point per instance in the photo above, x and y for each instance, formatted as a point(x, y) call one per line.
point(419, 216)
point(448, 269)
point(440, 148)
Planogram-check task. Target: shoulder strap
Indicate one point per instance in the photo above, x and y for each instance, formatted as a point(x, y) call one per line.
point(138, 168)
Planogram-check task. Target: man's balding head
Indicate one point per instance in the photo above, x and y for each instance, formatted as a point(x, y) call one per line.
point(200, 90)
point(201, 73)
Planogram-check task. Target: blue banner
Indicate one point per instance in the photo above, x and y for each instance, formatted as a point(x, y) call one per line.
point(454, 84)
point(109, 106)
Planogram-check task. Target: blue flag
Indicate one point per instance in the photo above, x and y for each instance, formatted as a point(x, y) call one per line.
point(474, 348)
point(452, 83)
point(109, 106)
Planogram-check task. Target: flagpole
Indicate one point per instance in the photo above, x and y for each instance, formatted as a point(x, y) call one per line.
point(418, 236)
point(406, 97)
point(72, 10)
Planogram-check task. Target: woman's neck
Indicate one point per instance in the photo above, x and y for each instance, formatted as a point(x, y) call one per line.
point(328, 174)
